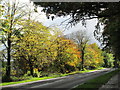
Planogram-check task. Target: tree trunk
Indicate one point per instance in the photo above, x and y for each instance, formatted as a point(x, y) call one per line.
point(82, 57)
point(31, 71)
point(8, 68)
point(31, 66)
point(115, 63)
point(82, 62)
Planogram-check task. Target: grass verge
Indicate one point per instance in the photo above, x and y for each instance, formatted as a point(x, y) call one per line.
point(97, 82)
point(85, 71)
point(29, 80)
point(43, 78)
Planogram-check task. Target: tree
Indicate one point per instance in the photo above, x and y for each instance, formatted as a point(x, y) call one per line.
point(111, 32)
point(67, 57)
point(106, 12)
point(81, 39)
point(79, 10)
point(108, 59)
point(93, 56)
point(10, 17)
point(1, 9)
point(31, 48)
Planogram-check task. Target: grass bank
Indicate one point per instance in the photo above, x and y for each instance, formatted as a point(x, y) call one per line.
point(48, 77)
point(32, 79)
point(97, 82)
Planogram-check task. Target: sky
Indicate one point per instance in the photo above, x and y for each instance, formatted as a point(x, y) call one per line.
point(90, 25)
point(41, 17)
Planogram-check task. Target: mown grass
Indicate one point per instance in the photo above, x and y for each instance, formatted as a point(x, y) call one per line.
point(85, 71)
point(97, 82)
point(31, 79)
point(43, 78)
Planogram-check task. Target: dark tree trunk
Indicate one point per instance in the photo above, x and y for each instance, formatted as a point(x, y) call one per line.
point(116, 65)
point(8, 68)
point(82, 57)
point(82, 62)
point(31, 66)
point(31, 71)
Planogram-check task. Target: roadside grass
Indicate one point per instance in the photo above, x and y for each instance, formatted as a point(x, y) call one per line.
point(30, 79)
point(97, 82)
point(85, 71)
point(33, 79)
point(47, 77)
point(17, 82)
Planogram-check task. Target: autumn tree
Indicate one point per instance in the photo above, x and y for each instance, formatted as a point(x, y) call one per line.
point(12, 13)
point(31, 47)
point(67, 57)
point(45, 49)
point(81, 39)
point(93, 56)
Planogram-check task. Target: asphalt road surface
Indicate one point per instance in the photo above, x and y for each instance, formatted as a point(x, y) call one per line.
point(64, 83)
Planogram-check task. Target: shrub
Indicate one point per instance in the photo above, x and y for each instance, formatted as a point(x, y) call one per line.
point(6, 79)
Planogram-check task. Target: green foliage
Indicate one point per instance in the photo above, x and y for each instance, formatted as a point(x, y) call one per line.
point(10, 16)
point(108, 59)
point(111, 30)
point(31, 48)
point(6, 79)
point(67, 56)
point(93, 56)
point(14, 78)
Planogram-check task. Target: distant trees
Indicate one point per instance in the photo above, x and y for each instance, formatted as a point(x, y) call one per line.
point(90, 54)
point(37, 47)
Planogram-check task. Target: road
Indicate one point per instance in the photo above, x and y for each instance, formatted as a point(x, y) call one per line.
point(64, 83)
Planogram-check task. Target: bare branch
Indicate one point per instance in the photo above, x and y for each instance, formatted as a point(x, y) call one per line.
point(4, 56)
point(64, 21)
point(4, 44)
point(2, 40)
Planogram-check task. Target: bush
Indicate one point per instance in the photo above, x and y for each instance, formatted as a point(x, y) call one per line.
point(44, 74)
point(27, 74)
point(14, 78)
point(21, 78)
point(37, 74)
point(6, 79)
